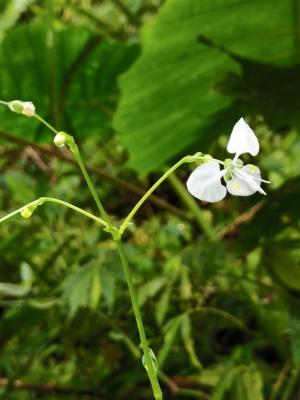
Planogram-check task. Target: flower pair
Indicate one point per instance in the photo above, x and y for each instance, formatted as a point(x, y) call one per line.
point(205, 182)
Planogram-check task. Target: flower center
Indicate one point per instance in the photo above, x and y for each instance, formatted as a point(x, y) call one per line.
point(230, 166)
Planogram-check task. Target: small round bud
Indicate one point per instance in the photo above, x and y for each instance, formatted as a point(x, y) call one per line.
point(28, 109)
point(60, 139)
point(22, 107)
point(27, 212)
point(16, 106)
point(63, 139)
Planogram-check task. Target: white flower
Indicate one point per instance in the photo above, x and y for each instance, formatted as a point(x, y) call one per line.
point(205, 182)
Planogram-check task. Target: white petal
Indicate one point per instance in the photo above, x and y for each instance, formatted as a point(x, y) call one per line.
point(204, 183)
point(245, 181)
point(242, 140)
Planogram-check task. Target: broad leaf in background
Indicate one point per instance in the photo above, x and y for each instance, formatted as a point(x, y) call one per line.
point(240, 26)
point(169, 95)
point(69, 75)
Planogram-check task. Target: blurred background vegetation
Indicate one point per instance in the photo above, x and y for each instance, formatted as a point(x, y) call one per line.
point(140, 83)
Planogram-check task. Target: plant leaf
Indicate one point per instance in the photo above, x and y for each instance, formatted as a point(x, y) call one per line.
point(186, 332)
point(171, 95)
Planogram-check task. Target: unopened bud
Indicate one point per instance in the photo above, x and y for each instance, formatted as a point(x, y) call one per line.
point(60, 139)
point(22, 107)
point(16, 106)
point(64, 139)
point(28, 109)
point(27, 212)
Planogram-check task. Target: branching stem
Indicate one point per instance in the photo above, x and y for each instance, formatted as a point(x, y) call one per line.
point(184, 160)
point(116, 233)
point(42, 200)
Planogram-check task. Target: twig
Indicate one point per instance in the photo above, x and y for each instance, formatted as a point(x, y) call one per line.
point(131, 18)
point(47, 388)
point(178, 391)
point(241, 219)
point(68, 390)
point(31, 153)
point(102, 27)
point(129, 187)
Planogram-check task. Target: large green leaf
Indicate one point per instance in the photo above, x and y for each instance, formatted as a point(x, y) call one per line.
point(169, 96)
point(264, 31)
point(69, 74)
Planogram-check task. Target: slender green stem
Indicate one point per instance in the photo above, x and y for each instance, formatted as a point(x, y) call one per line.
point(178, 391)
point(39, 118)
point(192, 393)
point(129, 217)
point(96, 198)
point(148, 361)
point(43, 200)
point(193, 206)
point(85, 174)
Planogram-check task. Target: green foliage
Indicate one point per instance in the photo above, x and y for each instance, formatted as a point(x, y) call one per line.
point(140, 83)
point(82, 289)
point(167, 115)
point(161, 113)
point(73, 70)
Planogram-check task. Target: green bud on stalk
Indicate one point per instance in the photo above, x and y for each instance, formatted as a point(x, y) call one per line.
point(26, 108)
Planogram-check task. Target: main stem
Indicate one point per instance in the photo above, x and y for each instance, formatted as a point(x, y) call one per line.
point(148, 361)
point(117, 238)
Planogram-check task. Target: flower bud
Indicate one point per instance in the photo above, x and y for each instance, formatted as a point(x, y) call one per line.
point(16, 106)
point(22, 107)
point(64, 139)
point(60, 139)
point(28, 109)
point(27, 212)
